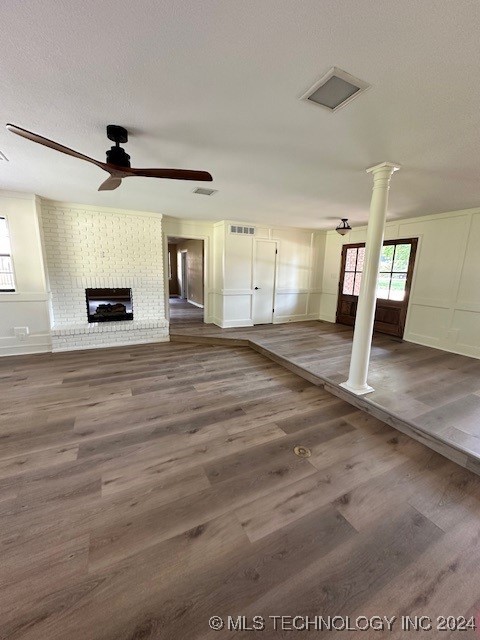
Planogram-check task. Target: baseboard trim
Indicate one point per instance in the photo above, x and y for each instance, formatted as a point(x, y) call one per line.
point(37, 343)
point(307, 317)
point(232, 324)
point(326, 318)
point(26, 350)
point(436, 344)
point(195, 304)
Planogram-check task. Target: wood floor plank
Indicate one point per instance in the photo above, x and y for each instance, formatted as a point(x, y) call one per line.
point(353, 571)
point(240, 580)
point(312, 437)
point(103, 604)
point(145, 489)
point(264, 515)
point(432, 584)
point(430, 390)
point(17, 465)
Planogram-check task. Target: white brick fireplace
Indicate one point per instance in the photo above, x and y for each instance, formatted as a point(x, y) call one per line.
point(91, 247)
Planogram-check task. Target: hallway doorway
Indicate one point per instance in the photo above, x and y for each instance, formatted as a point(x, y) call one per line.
point(186, 258)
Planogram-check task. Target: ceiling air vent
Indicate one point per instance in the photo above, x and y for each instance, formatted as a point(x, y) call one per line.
point(204, 192)
point(245, 231)
point(335, 89)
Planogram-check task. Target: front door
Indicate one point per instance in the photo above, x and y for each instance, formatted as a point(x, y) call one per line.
point(263, 281)
point(393, 285)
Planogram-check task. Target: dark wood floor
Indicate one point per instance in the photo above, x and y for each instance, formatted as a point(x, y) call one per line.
point(145, 489)
point(435, 393)
point(184, 314)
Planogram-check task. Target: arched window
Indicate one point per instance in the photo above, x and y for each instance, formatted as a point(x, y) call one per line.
point(7, 279)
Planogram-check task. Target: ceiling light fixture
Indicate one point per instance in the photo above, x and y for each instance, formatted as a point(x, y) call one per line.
point(344, 227)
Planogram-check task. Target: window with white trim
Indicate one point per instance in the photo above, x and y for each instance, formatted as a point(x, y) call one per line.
point(7, 280)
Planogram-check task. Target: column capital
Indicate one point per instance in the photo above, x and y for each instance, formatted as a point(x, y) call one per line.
point(384, 166)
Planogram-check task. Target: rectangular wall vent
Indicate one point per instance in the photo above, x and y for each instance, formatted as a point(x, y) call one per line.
point(246, 231)
point(204, 192)
point(335, 89)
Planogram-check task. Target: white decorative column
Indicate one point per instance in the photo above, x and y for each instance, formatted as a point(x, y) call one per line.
point(362, 336)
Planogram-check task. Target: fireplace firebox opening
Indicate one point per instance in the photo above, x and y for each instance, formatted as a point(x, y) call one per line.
point(109, 305)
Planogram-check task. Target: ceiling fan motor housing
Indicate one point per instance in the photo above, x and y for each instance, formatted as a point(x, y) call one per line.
point(116, 155)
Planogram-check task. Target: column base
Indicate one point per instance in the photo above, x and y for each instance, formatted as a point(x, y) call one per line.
point(358, 391)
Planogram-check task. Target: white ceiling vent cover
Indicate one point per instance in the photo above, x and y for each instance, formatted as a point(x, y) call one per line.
point(246, 231)
point(204, 192)
point(335, 89)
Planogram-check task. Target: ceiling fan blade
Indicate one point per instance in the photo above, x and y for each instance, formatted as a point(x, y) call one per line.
point(172, 174)
point(110, 184)
point(34, 137)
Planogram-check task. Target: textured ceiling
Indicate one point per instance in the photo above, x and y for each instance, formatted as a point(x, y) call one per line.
point(214, 85)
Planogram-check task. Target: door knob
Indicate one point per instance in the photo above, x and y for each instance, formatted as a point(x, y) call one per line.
point(257, 288)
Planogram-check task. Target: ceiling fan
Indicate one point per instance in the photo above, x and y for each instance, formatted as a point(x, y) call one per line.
point(118, 160)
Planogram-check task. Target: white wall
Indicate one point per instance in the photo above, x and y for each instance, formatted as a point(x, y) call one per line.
point(28, 306)
point(229, 270)
point(298, 274)
point(99, 247)
point(444, 308)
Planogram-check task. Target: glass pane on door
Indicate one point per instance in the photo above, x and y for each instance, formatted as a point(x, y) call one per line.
point(397, 286)
point(360, 258)
point(351, 260)
point(383, 285)
point(386, 257)
point(358, 281)
point(348, 284)
point(402, 257)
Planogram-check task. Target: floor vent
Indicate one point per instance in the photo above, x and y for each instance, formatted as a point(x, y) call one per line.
point(302, 452)
point(245, 231)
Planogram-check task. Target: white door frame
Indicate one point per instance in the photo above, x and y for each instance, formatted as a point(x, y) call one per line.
point(206, 272)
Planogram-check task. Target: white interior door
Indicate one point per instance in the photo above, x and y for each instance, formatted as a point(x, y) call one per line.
point(263, 281)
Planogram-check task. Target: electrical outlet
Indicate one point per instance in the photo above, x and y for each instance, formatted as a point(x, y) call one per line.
point(21, 333)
